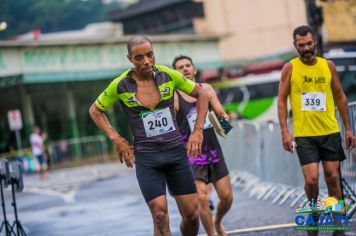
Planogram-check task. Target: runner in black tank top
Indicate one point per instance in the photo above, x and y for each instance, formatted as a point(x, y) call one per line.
point(209, 167)
point(211, 150)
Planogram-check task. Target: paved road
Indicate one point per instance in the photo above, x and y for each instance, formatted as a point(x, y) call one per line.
point(105, 200)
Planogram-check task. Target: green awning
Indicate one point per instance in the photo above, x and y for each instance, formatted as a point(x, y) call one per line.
point(70, 76)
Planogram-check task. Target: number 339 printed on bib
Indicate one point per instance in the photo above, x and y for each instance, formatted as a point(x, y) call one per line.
point(313, 101)
point(158, 122)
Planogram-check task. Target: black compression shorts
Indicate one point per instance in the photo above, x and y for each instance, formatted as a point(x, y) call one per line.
point(155, 170)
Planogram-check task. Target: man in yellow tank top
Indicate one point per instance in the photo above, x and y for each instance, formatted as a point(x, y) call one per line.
point(312, 84)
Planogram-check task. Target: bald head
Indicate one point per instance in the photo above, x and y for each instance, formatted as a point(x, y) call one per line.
point(137, 40)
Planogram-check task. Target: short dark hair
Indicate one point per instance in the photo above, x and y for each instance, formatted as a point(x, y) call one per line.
point(137, 40)
point(303, 30)
point(181, 57)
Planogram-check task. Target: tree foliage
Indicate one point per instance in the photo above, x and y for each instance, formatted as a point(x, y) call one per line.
point(51, 15)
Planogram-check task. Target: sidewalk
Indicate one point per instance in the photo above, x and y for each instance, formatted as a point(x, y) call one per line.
point(59, 179)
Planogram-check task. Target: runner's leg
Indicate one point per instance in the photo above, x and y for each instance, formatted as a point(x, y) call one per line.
point(311, 180)
point(188, 208)
point(205, 214)
point(159, 212)
point(224, 192)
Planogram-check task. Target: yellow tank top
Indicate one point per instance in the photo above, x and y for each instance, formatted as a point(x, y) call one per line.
point(311, 99)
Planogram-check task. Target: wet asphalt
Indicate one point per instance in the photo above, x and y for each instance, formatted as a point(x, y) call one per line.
point(105, 200)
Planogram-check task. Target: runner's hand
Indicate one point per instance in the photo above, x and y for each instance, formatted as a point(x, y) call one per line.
point(226, 117)
point(125, 152)
point(194, 143)
point(350, 140)
point(287, 140)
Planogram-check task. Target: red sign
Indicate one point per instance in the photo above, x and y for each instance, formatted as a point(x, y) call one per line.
point(15, 120)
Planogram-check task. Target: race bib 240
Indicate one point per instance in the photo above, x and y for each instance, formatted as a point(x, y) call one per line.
point(158, 122)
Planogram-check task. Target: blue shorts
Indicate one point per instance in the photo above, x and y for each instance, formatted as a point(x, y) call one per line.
point(156, 170)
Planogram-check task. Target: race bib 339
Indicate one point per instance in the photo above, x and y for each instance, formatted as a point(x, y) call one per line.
point(313, 101)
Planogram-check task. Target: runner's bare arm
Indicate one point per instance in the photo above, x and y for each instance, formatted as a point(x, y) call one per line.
point(123, 148)
point(341, 102)
point(283, 93)
point(195, 141)
point(176, 101)
point(214, 101)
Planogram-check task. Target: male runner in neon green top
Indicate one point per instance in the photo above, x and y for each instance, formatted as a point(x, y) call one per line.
point(146, 95)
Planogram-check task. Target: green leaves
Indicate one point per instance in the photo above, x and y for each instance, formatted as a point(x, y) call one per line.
point(23, 16)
